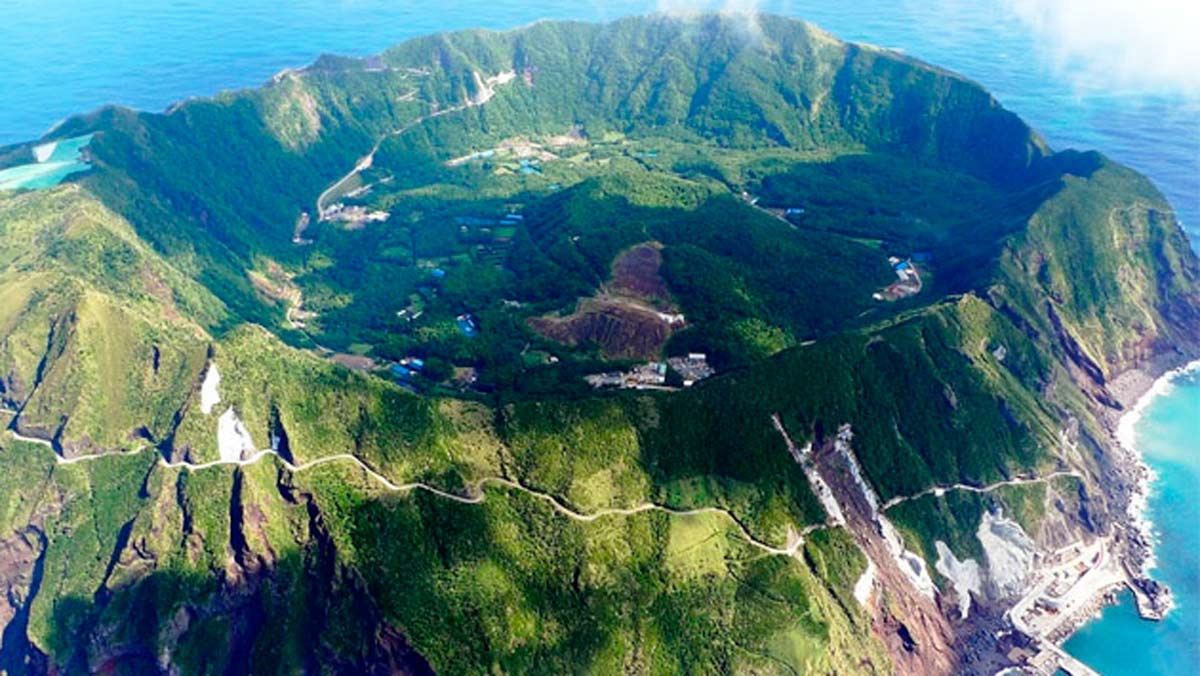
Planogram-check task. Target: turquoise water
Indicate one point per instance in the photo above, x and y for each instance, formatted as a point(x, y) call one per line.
point(64, 159)
point(1121, 643)
point(60, 57)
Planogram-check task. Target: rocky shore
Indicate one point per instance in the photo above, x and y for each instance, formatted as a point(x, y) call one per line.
point(1103, 599)
point(1134, 390)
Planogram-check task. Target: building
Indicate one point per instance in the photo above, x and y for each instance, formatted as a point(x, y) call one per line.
point(692, 368)
point(466, 324)
point(651, 374)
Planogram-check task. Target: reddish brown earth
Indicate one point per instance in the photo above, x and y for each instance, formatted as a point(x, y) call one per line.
point(914, 628)
point(623, 317)
point(635, 273)
point(621, 328)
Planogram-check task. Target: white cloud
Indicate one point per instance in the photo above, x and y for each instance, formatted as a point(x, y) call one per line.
point(744, 12)
point(1140, 44)
point(726, 6)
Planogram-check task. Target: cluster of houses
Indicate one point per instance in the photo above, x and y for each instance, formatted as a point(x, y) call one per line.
point(653, 375)
point(406, 372)
point(407, 368)
point(467, 325)
point(691, 368)
point(909, 282)
point(356, 216)
point(488, 238)
point(650, 375)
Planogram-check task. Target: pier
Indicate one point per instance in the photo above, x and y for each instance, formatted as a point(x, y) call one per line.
point(1073, 584)
point(1051, 658)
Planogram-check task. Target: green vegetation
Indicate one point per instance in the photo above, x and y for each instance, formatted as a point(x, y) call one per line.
point(954, 517)
point(774, 177)
point(101, 337)
point(531, 592)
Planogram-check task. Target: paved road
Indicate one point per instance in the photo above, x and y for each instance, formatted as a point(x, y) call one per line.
point(475, 494)
point(366, 161)
point(1018, 481)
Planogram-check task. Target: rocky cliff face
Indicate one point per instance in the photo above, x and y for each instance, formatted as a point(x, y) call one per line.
point(1104, 268)
point(387, 533)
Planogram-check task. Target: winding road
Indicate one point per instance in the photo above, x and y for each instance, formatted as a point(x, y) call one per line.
point(1016, 481)
point(487, 91)
point(475, 496)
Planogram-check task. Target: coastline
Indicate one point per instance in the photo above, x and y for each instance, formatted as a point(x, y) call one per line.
point(1135, 389)
point(1134, 538)
point(1129, 545)
point(1125, 435)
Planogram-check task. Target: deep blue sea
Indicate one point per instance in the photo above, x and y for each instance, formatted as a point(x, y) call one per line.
point(59, 57)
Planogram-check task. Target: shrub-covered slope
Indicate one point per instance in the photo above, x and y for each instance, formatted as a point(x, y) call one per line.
point(358, 527)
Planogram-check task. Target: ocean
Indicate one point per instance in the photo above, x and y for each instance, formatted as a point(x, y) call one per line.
point(59, 57)
point(1165, 432)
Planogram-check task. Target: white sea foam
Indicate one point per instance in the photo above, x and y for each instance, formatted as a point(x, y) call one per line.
point(210, 395)
point(1127, 425)
point(1127, 438)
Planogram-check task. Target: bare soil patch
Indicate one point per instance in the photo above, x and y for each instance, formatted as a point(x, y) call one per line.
point(635, 274)
point(353, 361)
point(623, 329)
point(630, 317)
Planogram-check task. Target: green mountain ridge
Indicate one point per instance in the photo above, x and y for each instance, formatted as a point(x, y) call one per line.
point(1045, 275)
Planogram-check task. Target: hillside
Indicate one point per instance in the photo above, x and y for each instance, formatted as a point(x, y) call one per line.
point(333, 375)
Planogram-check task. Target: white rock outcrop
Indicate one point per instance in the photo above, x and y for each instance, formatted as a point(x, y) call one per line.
point(1009, 553)
point(866, 584)
point(210, 394)
point(910, 563)
point(965, 576)
point(233, 439)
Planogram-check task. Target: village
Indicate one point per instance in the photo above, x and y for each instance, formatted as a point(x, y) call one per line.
point(1069, 585)
point(653, 375)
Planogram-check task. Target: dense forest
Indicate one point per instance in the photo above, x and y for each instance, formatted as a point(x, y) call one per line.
point(404, 270)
